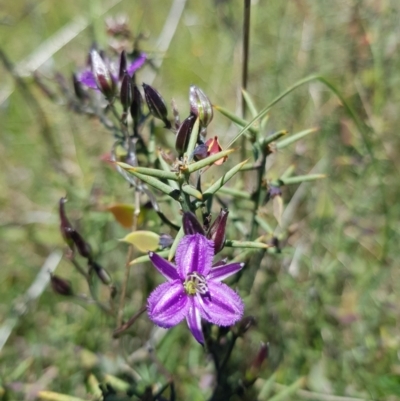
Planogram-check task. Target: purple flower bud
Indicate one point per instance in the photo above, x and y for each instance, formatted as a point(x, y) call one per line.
point(272, 192)
point(183, 134)
point(261, 356)
point(200, 152)
point(101, 273)
point(165, 241)
point(122, 65)
point(102, 75)
point(61, 286)
point(126, 91)
point(191, 225)
point(78, 89)
point(217, 229)
point(136, 105)
point(156, 104)
point(200, 105)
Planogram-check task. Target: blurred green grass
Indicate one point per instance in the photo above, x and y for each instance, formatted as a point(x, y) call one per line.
point(330, 306)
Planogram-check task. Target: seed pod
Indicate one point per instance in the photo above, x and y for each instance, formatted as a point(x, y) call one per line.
point(217, 230)
point(156, 104)
point(61, 286)
point(102, 75)
point(122, 65)
point(191, 225)
point(200, 105)
point(82, 246)
point(101, 273)
point(126, 91)
point(183, 134)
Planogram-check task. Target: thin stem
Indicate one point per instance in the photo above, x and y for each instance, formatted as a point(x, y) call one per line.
point(120, 330)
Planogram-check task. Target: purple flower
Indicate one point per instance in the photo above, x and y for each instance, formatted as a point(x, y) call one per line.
point(194, 289)
point(87, 77)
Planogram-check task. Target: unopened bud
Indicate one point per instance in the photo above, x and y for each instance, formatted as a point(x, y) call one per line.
point(272, 193)
point(61, 286)
point(156, 104)
point(70, 235)
point(200, 105)
point(102, 75)
point(101, 273)
point(122, 64)
point(245, 324)
point(136, 105)
point(213, 148)
point(126, 91)
point(183, 134)
point(254, 371)
point(217, 230)
point(78, 88)
point(165, 241)
point(191, 225)
point(200, 152)
point(65, 225)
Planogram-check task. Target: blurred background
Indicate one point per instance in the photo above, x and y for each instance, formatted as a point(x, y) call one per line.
point(328, 305)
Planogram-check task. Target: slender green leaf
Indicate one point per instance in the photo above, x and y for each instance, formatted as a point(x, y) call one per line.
point(193, 137)
point(192, 191)
point(249, 102)
point(288, 391)
point(154, 182)
point(272, 138)
point(178, 237)
point(264, 225)
point(145, 258)
point(295, 137)
point(208, 160)
point(237, 193)
point(237, 120)
point(151, 172)
point(246, 244)
point(143, 240)
point(223, 180)
point(297, 179)
point(166, 167)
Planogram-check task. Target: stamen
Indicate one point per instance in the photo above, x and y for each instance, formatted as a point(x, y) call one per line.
point(195, 283)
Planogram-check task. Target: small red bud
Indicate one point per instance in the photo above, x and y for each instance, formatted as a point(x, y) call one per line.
point(126, 91)
point(136, 105)
point(122, 64)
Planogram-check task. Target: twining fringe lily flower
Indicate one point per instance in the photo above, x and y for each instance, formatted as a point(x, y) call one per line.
point(194, 290)
point(87, 77)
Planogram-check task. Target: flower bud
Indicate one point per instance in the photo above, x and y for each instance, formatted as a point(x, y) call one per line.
point(165, 241)
point(217, 229)
point(183, 134)
point(136, 104)
point(61, 286)
point(122, 65)
point(70, 235)
point(78, 89)
point(126, 91)
point(272, 193)
point(156, 104)
point(65, 225)
point(101, 273)
point(200, 105)
point(254, 371)
point(213, 148)
point(245, 324)
point(191, 225)
point(102, 75)
point(200, 152)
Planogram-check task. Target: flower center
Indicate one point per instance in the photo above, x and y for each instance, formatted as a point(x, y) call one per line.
point(195, 283)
